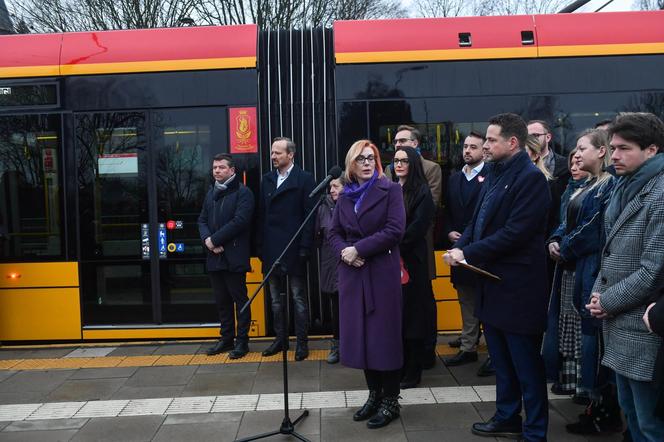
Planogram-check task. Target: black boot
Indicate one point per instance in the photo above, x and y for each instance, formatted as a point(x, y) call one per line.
point(597, 419)
point(387, 412)
point(369, 408)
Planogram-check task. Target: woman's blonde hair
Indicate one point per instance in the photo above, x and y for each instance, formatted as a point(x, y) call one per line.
point(599, 138)
point(534, 145)
point(355, 151)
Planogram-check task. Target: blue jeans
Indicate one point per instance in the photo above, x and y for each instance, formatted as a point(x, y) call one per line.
point(300, 304)
point(637, 400)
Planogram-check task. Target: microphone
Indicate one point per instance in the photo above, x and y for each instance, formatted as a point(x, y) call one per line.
point(333, 174)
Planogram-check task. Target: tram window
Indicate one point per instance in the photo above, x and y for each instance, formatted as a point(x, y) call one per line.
point(28, 95)
point(352, 125)
point(30, 193)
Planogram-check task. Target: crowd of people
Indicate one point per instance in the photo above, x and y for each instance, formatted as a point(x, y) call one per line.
point(573, 248)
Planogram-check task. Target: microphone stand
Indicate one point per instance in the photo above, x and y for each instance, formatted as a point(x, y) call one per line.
point(287, 426)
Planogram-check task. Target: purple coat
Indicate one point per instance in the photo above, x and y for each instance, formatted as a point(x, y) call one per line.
point(370, 298)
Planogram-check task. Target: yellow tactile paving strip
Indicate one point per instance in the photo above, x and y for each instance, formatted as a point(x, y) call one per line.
point(172, 360)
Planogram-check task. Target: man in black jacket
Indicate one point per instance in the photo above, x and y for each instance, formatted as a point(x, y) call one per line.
point(224, 227)
point(283, 204)
point(463, 190)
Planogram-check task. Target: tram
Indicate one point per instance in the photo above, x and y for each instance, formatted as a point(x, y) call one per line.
point(106, 140)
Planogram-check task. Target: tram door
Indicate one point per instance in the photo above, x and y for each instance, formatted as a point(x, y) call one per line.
point(142, 178)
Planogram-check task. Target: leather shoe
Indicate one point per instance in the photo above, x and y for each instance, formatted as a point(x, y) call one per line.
point(463, 357)
point(273, 349)
point(369, 408)
point(455, 343)
point(486, 369)
point(301, 352)
point(494, 428)
point(220, 347)
point(241, 349)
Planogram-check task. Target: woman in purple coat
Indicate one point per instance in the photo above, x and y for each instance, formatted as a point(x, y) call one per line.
point(367, 226)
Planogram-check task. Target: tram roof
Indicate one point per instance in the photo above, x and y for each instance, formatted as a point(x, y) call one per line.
point(141, 50)
point(493, 37)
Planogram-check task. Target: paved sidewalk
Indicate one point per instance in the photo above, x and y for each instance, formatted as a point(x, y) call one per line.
point(173, 392)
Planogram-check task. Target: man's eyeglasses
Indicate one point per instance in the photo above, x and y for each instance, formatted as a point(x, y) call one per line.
point(401, 141)
point(539, 135)
point(361, 159)
point(401, 161)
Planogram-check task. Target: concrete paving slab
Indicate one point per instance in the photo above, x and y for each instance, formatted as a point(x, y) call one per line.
point(28, 397)
point(449, 435)
point(134, 350)
point(124, 429)
point(90, 352)
point(178, 349)
point(274, 384)
point(339, 426)
point(438, 417)
point(36, 381)
point(295, 369)
point(257, 422)
point(6, 354)
point(219, 384)
point(46, 353)
point(486, 410)
point(347, 379)
point(161, 376)
point(148, 392)
point(248, 367)
point(199, 431)
point(103, 373)
point(38, 436)
point(47, 424)
point(202, 418)
point(6, 374)
point(3, 425)
point(86, 390)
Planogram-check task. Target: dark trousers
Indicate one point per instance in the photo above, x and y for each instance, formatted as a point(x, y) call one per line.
point(386, 383)
point(334, 316)
point(230, 289)
point(520, 378)
point(277, 285)
point(413, 356)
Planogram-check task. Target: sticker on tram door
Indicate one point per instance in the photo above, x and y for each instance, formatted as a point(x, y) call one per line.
point(162, 241)
point(172, 247)
point(145, 241)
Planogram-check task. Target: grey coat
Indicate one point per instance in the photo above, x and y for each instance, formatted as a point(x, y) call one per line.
point(630, 272)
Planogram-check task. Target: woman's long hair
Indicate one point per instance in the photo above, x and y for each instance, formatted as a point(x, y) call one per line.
point(599, 138)
point(415, 178)
point(353, 152)
point(534, 145)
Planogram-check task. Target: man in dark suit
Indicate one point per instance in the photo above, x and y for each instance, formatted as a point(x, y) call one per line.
point(506, 237)
point(283, 204)
point(463, 190)
point(224, 226)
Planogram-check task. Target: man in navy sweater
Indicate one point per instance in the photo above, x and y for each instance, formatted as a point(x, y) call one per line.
point(463, 190)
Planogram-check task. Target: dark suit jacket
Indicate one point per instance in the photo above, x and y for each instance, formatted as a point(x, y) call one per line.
point(280, 213)
point(459, 213)
point(511, 245)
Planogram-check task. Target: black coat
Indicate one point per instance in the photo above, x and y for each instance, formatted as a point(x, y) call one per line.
point(280, 213)
point(459, 213)
point(511, 246)
point(328, 258)
point(226, 219)
point(419, 304)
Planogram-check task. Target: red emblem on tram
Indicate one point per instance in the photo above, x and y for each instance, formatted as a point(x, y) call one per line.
point(243, 130)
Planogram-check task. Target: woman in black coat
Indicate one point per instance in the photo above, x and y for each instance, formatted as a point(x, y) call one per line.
point(418, 300)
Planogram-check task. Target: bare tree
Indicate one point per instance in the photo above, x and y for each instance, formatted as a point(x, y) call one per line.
point(284, 14)
point(82, 15)
point(648, 5)
point(453, 8)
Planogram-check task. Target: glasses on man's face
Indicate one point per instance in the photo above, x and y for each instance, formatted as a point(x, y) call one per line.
point(398, 141)
point(361, 159)
point(401, 161)
point(539, 135)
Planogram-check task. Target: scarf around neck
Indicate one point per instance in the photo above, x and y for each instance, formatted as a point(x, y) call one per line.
point(356, 191)
point(629, 186)
point(223, 185)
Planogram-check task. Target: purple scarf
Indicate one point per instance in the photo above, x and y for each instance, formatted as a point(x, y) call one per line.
point(356, 192)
